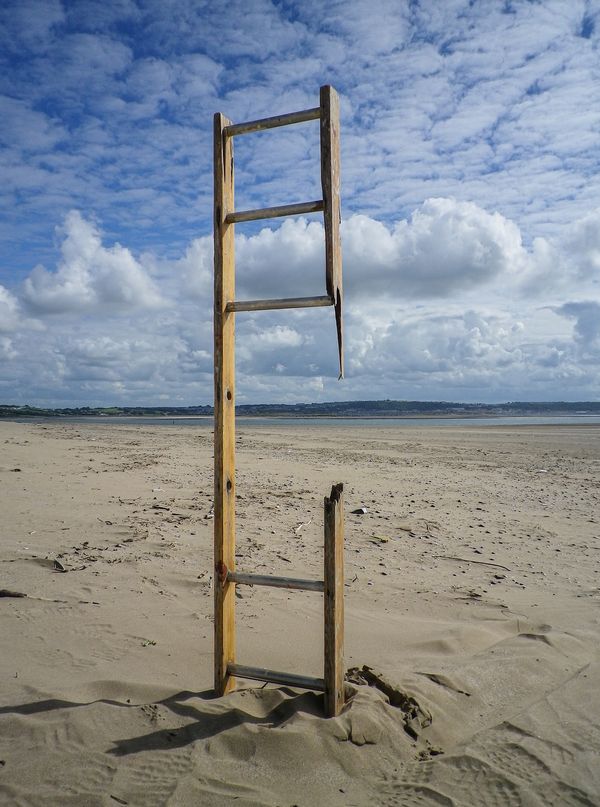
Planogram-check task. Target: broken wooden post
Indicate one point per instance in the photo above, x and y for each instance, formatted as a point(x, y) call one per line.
point(334, 600)
point(332, 212)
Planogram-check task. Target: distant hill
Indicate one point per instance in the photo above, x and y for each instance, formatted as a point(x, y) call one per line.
point(362, 409)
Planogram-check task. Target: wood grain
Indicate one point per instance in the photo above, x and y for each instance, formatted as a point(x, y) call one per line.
point(285, 302)
point(234, 129)
point(224, 408)
point(334, 600)
point(276, 677)
point(330, 182)
point(294, 209)
point(243, 578)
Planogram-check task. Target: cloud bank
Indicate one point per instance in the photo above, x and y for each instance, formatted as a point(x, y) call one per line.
point(438, 305)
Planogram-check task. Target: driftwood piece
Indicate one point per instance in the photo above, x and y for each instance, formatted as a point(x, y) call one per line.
point(470, 560)
point(415, 717)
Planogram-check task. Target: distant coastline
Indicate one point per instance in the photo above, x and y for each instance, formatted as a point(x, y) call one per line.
point(387, 409)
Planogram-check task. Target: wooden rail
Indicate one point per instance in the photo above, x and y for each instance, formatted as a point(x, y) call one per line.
point(275, 582)
point(260, 125)
point(274, 305)
point(296, 209)
point(275, 677)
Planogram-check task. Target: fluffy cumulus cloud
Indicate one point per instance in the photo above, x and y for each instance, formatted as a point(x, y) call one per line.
point(90, 276)
point(196, 268)
point(445, 247)
point(584, 243)
point(457, 351)
point(586, 317)
point(9, 311)
point(437, 306)
point(9, 322)
point(470, 140)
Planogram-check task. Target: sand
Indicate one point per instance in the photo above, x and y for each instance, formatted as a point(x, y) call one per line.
point(472, 591)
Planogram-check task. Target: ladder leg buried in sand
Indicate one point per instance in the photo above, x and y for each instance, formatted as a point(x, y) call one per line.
point(226, 578)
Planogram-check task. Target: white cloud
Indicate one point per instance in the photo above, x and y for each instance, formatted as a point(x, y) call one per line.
point(584, 243)
point(271, 350)
point(26, 128)
point(196, 268)
point(7, 350)
point(289, 258)
point(9, 311)
point(446, 246)
point(90, 276)
point(29, 24)
point(91, 56)
point(587, 324)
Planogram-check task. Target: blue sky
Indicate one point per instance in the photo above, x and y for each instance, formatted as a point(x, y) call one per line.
point(470, 195)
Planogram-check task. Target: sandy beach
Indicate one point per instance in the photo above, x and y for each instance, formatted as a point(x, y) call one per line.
point(472, 595)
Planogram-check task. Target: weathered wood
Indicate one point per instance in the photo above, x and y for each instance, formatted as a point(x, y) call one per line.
point(286, 302)
point(260, 125)
point(295, 209)
point(334, 600)
point(330, 182)
point(245, 579)
point(224, 408)
point(225, 306)
point(275, 677)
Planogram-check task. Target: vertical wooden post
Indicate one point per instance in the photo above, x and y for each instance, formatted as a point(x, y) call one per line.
point(334, 600)
point(332, 215)
point(224, 409)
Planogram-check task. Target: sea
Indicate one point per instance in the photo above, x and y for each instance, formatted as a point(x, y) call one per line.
point(334, 422)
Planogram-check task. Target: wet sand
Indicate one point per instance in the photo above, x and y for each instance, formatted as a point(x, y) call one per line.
point(472, 590)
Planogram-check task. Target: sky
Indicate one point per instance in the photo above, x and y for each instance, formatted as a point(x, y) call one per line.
point(470, 156)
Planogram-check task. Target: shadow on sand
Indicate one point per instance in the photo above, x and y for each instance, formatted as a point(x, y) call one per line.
point(217, 716)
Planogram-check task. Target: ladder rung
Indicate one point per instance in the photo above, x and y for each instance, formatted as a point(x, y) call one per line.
point(274, 677)
point(272, 123)
point(273, 305)
point(295, 209)
point(276, 582)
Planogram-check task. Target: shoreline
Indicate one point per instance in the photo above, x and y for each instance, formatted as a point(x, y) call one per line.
point(542, 420)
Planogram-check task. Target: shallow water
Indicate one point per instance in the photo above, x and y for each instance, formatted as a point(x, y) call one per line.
point(203, 421)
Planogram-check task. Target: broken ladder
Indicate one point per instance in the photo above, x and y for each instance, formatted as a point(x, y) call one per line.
point(226, 577)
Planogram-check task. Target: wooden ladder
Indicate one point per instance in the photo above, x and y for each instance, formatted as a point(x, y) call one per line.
point(226, 578)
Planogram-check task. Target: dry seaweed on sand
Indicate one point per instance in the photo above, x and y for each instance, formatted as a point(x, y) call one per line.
point(415, 718)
